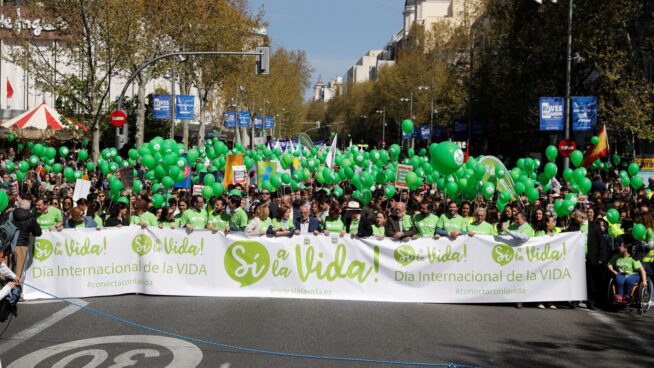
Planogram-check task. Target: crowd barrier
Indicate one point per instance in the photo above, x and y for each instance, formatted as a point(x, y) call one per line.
point(78, 263)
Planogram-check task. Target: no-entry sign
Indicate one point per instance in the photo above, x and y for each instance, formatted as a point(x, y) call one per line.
point(118, 118)
point(566, 147)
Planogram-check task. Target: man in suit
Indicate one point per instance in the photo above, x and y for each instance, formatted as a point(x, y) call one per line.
point(357, 225)
point(400, 226)
point(595, 255)
point(306, 224)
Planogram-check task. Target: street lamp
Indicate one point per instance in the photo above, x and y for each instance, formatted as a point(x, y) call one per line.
point(410, 101)
point(568, 72)
point(383, 112)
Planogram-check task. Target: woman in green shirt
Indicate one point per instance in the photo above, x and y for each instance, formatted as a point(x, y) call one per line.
point(333, 222)
point(261, 222)
point(627, 272)
point(379, 228)
point(142, 217)
point(283, 225)
point(167, 218)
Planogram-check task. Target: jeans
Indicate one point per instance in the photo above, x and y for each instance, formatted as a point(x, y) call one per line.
point(624, 283)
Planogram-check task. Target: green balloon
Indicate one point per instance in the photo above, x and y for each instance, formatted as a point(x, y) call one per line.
point(209, 179)
point(33, 161)
point(585, 185)
point(487, 190)
point(83, 155)
point(550, 170)
point(446, 157)
point(20, 175)
point(407, 126)
point(39, 150)
point(167, 182)
point(56, 168)
point(568, 175)
point(90, 166)
point(633, 169)
point(519, 187)
point(577, 158)
point(532, 194)
point(157, 200)
point(594, 140)
point(638, 231)
point(11, 167)
point(10, 137)
point(389, 191)
point(613, 216)
point(50, 153)
point(551, 153)
point(636, 182)
point(138, 186)
point(63, 151)
point(218, 189)
point(338, 192)
point(207, 192)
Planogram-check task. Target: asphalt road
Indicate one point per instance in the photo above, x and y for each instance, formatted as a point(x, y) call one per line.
point(55, 334)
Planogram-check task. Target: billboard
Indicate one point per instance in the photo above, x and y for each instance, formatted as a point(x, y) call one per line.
point(552, 113)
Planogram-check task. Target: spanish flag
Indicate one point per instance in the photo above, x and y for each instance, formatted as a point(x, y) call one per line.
point(599, 150)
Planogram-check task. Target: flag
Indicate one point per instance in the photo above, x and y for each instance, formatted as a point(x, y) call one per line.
point(599, 150)
point(331, 155)
point(10, 90)
point(230, 162)
point(465, 158)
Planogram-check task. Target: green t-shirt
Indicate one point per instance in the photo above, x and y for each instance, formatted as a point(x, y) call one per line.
point(524, 229)
point(168, 223)
point(148, 217)
point(425, 225)
point(354, 226)
point(481, 229)
point(282, 224)
point(378, 230)
point(198, 220)
point(219, 221)
point(454, 223)
point(626, 265)
point(98, 221)
point(615, 230)
point(333, 226)
point(238, 219)
point(50, 218)
point(407, 223)
point(264, 225)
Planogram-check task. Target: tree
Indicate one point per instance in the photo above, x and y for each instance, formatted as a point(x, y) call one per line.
point(93, 31)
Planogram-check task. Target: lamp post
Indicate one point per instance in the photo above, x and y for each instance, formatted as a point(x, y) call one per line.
point(431, 108)
point(568, 75)
point(410, 101)
point(383, 112)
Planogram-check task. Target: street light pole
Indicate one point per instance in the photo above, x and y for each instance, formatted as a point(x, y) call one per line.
point(568, 102)
point(383, 112)
point(172, 102)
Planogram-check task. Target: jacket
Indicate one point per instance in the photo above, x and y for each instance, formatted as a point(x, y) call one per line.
point(314, 225)
point(365, 227)
point(393, 227)
point(26, 223)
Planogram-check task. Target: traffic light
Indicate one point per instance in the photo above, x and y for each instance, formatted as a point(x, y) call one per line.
point(263, 60)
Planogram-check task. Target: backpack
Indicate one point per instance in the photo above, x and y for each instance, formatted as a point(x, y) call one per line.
point(9, 235)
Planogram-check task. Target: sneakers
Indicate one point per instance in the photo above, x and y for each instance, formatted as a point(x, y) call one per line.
point(552, 306)
point(541, 306)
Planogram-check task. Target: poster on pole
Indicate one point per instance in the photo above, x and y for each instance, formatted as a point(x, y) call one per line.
point(400, 176)
point(268, 122)
point(229, 119)
point(184, 107)
point(161, 107)
point(258, 122)
point(425, 131)
point(243, 119)
point(584, 113)
point(551, 113)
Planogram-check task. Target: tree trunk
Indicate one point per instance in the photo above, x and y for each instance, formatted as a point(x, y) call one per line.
point(140, 118)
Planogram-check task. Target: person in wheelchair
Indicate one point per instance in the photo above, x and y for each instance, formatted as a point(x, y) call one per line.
point(627, 273)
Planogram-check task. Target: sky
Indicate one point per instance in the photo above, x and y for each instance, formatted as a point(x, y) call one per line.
point(333, 33)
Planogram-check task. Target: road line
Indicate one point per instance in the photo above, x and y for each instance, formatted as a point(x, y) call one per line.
point(38, 327)
point(41, 301)
point(616, 327)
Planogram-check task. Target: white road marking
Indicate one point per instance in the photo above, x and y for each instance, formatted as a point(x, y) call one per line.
point(224, 365)
point(41, 301)
point(616, 327)
point(38, 327)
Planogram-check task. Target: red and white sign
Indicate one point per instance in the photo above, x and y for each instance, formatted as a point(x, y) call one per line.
point(118, 118)
point(566, 147)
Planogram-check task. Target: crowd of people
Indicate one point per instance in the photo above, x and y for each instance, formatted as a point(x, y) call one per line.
point(422, 213)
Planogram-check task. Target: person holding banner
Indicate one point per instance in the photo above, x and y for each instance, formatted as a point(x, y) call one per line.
point(626, 271)
point(333, 222)
point(400, 226)
point(218, 218)
point(238, 220)
point(261, 222)
point(306, 224)
point(49, 217)
point(356, 225)
point(479, 226)
point(379, 228)
point(195, 218)
point(142, 216)
point(425, 221)
point(167, 218)
point(282, 225)
point(451, 223)
point(520, 229)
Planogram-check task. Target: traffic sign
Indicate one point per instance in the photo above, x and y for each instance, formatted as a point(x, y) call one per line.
point(118, 118)
point(566, 147)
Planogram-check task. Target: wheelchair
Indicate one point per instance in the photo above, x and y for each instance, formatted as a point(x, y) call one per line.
point(639, 296)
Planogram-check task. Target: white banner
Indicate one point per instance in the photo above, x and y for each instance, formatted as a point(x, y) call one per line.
point(480, 269)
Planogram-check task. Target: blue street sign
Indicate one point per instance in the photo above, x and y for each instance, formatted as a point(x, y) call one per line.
point(243, 119)
point(229, 119)
point(161, 107)
point(584, 113)
point(184, 107)
point(268, 122)
point(258, 122)
point(424, 131)
point(552, 113)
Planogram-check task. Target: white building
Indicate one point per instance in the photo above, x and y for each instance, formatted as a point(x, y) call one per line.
point(367, 68)
point(325, 92)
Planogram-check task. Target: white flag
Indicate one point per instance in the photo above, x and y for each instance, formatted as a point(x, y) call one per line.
point(331, 154)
